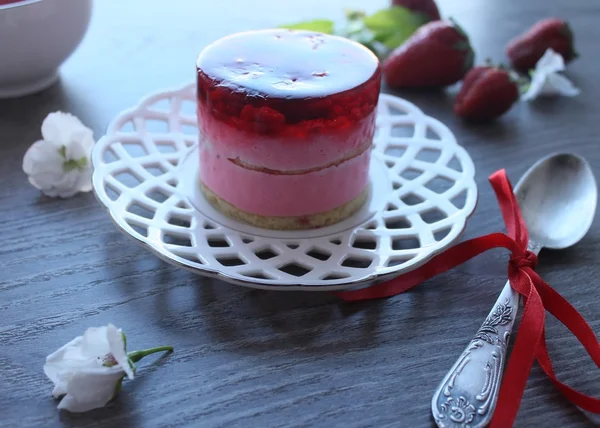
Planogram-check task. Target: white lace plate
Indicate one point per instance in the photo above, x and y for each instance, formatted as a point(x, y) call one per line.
point(422, 191)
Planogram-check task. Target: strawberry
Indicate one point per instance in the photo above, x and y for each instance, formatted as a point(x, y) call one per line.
point(437, 54)
point(426, 7)
point(262, 119)
point(487, 93)
point(526, 49)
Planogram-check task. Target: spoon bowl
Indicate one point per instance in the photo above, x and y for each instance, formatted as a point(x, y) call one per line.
point(558, 197)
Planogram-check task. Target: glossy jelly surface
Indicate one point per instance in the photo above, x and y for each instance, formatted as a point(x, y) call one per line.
point(287, 63)
point(296, 83)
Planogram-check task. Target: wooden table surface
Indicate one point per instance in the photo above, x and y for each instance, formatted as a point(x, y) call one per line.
point(271, 359)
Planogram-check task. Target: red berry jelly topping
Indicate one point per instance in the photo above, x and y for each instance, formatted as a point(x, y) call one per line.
point(294, 83)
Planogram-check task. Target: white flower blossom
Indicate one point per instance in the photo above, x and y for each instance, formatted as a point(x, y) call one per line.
point(88, 370)
point(59, 164)
point(546, 80)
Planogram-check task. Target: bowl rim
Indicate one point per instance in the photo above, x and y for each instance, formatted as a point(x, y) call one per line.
point(18, 3)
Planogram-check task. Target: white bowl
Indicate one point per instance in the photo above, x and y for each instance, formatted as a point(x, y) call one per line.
point(36, 36)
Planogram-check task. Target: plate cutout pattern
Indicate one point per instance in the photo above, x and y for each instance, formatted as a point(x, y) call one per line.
point(430, 195)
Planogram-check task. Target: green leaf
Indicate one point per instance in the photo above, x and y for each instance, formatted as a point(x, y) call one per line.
point(356, 30)
point(319, 25)
point(464, 46)
point(393, 26)
point(392, 41)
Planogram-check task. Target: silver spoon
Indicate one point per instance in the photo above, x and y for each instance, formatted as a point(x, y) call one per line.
point(557, 197)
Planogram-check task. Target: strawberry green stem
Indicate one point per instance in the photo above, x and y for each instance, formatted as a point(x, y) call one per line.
point(135, 356)
point(458, 28)
point(464, 46)
point(569, 34)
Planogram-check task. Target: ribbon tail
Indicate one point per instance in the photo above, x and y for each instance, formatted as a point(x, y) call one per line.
point(521, 360)
point(558, 306)
point(441, 263)
point(580, 399)
point(568, 315)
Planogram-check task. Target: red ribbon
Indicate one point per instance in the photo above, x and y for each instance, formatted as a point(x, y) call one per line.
point(538, 297)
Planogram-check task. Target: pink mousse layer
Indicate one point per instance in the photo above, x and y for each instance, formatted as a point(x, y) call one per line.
point(287, 151)
point(283, 195)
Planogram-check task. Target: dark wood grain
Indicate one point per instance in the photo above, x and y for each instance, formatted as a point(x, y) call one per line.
point(270, 359)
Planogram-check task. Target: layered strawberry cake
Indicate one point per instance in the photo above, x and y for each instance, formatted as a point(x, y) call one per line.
point(286, 123)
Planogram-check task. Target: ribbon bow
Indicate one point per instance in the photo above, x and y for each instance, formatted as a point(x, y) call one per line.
point(538, 297)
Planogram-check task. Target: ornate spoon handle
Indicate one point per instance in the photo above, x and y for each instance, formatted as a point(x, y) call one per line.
point(467, 396)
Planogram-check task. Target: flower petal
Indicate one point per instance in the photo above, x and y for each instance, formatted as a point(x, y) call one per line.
point(80, 145)
point(77, 180)
point(66, 186)
point(38, 184)
point(117, 349)
point(58, 127)
point(54, 369)
point(59, 390)
point(67, 193)
point(60, 353)
point(550, 62)
point(68, 359)
point(84, 180)
point(46, 180)
point(90, 389)
point(50, 192)
point(535, 87)
point(45, 165)
point(75, 150)
point(560, 85)
point(34, 183)
point(85, 140)
point(95, 343)
point(61, 363)
point(42, 156)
